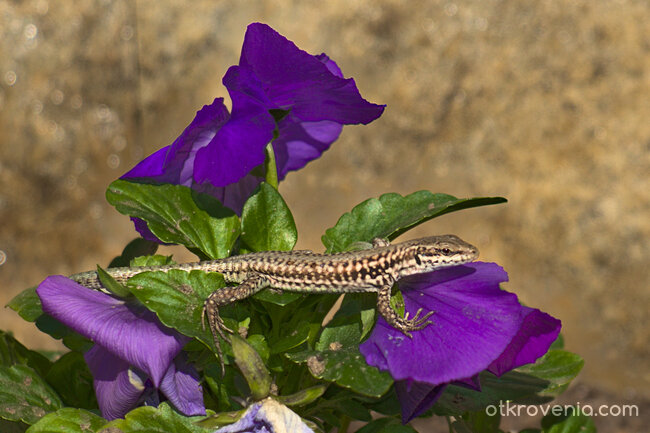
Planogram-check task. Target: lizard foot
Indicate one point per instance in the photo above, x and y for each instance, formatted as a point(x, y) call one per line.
point(415, 324)
point(217, 327)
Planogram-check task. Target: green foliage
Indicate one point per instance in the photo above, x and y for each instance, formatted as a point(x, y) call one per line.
point(71, 379)
point(573, 422)
point(513, 385)
point(336, 358)
point(177, 298)
point(177, 214)
point(69, 420)
point(14, 353)
point(136, 248)
point(27, 304)
point(24, 395)
point(283, 346)
point(536, 383)
point(392, 214)
point(477, 422)
point(386, 425)
point(267, 223)
point(558, 367)
point(111, 285)
point(252, 367)
point(162, 419)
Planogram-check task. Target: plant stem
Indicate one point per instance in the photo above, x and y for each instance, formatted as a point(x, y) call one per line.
point(270, 168)
point(345, 423)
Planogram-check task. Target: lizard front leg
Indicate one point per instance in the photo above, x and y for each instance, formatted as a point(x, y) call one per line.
point(401, 323)
point(225, 296)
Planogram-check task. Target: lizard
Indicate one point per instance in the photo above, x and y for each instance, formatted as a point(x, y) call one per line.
point(371, 270)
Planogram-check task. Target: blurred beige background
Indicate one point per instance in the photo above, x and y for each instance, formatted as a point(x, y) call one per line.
point(546, 103)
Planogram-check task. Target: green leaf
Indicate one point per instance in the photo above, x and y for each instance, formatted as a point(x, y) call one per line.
point(220, 419)
point(111, 285)
point(27, 304)
point(258, 342)
point(267, 223)
point(252, 367)
point(478, 422)
point(388, 404)
point(346, 367)
point(13, 426)
point(340, 332)
point(294, 339)
point(12, 353)
point(155, 260)
point(575, 422)
point(513, 385)
point(281, 299)
point(71, 378)
point(177, 214)
point(353, 409)
point(52, 327)
point(59, 331)
point(148, 419)
point(68, 420)
point(558, 367)
point(24, 395)
point(386, 425)
point(392, 214)
point(177, 298)
point(360, 308)
point(302, 397)
point(136, 248)
point(337, 358)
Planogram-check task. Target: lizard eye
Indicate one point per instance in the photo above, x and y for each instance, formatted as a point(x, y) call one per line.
point(446, 251)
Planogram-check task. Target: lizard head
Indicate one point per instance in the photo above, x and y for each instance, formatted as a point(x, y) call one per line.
point(437, 252)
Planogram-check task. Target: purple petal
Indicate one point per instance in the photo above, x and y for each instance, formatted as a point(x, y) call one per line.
point(273, 73)
point(416, 398)
point(330, 64)
point(181, 386)
point(473, 323)
point(473, 383)
point(175, 163)
point(142, 228)
point(132, 334)
point(538, 331)
point(153, 166)
point(118, 388)
point(238, 146)
point(301, 142)
point(232, 196)
point(267, 416)
point(295, 79)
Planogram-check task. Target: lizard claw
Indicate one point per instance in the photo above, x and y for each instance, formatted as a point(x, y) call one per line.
point(415, 324)
point(217, 327)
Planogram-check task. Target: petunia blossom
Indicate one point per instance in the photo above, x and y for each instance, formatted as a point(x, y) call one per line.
point(476, 326)
point(134, 355)
point(267, 416)
point(276, 83)
point(280, 94)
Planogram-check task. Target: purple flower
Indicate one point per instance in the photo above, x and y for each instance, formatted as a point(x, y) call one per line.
point(276, 89)
point(476, 326)
point(134, 354)
point(267, 416)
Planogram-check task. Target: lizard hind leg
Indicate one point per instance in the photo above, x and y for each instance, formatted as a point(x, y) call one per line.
point(225, 296)
point(403, 324)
